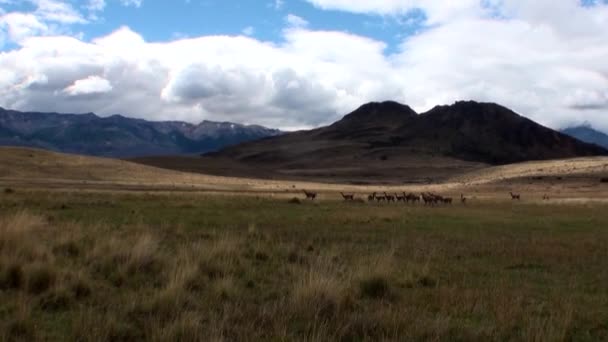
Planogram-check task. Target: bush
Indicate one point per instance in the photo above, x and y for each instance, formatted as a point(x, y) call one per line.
point(12, 277)
point(40, 279)
point(20, 330)
point(427, 281)
point(376, 287)
point(54, 301)
point(9, 191)
point(80, 289)
point(294, 200)
point(604, 180)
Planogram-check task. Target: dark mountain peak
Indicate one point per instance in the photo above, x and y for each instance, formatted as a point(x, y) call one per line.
point(474, 108)
point(382, 110)
point(385, 115)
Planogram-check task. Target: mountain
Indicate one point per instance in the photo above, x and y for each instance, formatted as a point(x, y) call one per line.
point(119, 136)
point(466, 130)
point(388, 142)
point(587, 134)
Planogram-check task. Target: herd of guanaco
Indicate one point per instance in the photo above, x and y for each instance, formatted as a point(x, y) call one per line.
point(427, 198)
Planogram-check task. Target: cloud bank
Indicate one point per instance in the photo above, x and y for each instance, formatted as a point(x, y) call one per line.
point(544, 59)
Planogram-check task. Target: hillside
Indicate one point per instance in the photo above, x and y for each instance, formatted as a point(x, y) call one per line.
point(588, 134)
point(390, 143)
point(119, 136)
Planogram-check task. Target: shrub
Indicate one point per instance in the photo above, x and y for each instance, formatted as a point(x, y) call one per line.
point(40, 279)
point(12, 277)
point(80, 289)
point(68, 248)
point(9, 191)
point(295, 200)
point(20, 329)
point(318, 293)
point(376, 287)
point(58, 300)
point(604, 180)
point(426, 281)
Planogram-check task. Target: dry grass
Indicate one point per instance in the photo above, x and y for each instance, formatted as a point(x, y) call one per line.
point(150, 267)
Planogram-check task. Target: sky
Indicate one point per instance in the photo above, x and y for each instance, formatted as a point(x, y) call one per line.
point(294, 64)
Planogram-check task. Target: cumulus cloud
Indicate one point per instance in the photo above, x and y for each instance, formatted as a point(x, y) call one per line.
point(249, 31)
point(88, 86)
point(18, 26)
point(134, 3)
point(57, 11)
point(544, 59)
point(295, 21)
point(96, 5)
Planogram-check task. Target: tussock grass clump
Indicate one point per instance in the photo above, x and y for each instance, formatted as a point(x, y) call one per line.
point(11, 277)
point(59, 299)
point(374, 277)
point(17, 225)
point(39, 278)
point(295, 200)
point(142, 256)
point(375, 286)
point(320, 292)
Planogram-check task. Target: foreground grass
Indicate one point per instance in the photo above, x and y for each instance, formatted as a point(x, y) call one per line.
point(185, 267)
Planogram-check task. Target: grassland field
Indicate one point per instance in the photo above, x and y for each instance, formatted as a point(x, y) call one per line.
point(107, 266)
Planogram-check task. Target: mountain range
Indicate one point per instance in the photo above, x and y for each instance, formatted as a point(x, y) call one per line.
point(119, 136)
point(587, 134)
point(390, 141)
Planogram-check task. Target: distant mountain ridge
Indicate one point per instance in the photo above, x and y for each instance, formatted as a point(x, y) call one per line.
point(587, 134)
point(466, 130)
point(388, 142)
point(119, 136)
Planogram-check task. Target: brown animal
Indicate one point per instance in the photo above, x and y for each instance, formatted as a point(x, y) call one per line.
point(545, 197)
point(412, 198)
point(389, 198)
point(401, 198)
point(428, 199)
point(348, 197)
point(515, 196)
point(310, 195)
point(371, 197)
point(463, 199)
point(447, 200)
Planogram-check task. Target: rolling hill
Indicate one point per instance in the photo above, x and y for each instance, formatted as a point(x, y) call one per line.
point(389, 142)
point(119, 136)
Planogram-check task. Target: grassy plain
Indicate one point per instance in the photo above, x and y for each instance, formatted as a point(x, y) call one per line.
point(78, 265)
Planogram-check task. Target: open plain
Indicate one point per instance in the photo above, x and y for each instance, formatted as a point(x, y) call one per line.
point(99, 249)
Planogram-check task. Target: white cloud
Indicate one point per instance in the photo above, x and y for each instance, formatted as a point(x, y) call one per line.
point(278, 4)
point(57, 11)
point(96, 5)
point(88, 86)
point(293, 20)
point(545, 60)
point(134, 3)
point(248, 31)
point(19, 26)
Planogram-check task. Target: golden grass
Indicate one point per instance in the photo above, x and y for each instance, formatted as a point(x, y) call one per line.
point(188, 269)
point(32, 168)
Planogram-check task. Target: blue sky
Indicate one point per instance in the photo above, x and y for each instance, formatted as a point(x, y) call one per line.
point(303, 63)
point(162, 20)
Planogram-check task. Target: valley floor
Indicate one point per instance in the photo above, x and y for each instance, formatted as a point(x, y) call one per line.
point(172, 265)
